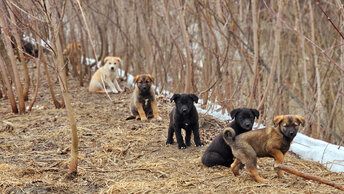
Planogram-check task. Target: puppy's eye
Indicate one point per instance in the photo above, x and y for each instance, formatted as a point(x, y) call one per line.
point(147, 81)
point(296, 123)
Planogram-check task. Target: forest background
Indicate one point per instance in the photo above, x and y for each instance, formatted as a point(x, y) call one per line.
point(281, 57)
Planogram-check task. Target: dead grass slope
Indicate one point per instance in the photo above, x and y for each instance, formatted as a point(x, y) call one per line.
point(119, 156)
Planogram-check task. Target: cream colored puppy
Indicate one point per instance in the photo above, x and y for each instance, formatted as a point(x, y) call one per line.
point(106, 75)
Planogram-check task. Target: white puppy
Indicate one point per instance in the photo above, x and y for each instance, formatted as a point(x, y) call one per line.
point(106, 75)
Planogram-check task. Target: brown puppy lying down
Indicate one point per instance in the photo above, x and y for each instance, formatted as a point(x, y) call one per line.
point(269, 142)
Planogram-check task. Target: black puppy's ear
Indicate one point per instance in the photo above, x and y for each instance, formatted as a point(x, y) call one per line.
point(255, 113)
point(175, 97)
point(234, 112)
point(194, 97)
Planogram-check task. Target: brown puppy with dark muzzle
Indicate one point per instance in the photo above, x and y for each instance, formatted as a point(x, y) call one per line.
point(143, 103)
point(269, 142)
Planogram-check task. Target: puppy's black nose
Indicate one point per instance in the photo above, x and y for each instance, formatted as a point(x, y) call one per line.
point(247, 124)
point(112, 68)
point(184, 109)
point(291, 133)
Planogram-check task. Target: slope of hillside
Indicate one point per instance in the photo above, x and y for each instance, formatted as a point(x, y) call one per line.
point(124, 156)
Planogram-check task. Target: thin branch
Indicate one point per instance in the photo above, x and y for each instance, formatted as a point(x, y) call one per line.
point(328, 18)
point(309, 40)
point(309, 177)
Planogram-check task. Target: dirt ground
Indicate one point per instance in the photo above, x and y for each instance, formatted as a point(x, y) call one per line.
point(119, 156)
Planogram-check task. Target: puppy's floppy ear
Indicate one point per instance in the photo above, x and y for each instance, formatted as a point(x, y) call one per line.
point(150, 77)
point(194, 97)
point(255, 113)
point(234, 112)
point(278, 120)
point(175, 97)
point(301, 120)
point(106, 59)
point(136, 78)
point(119, 60)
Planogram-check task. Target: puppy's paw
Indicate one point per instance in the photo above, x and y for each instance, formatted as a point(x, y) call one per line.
point(158, 118)
point(200, 144)
point(261, 180)
point(115, 91)
point(188, 144)
point(182, 146)
point(144, 119)
point(169, 141)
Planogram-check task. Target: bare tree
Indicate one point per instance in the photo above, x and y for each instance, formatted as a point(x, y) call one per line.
point(255, 21)
point(21, 55)
point(54, 23)
point(18, 85)
point(10, 93)
point(188, 80)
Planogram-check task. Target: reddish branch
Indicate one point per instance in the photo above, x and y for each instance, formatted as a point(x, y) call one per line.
point(37, 84)
point(309, 177)
point(328, 18)
point(306, 38)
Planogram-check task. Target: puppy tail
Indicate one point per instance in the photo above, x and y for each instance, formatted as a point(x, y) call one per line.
point(130, 118)
point(229, 135)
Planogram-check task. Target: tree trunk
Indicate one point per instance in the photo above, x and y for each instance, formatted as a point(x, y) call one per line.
point(59, 64)
point(181, 12)
point(10, 94)
point(317, 133)
point(18, 85)
point(51, 87)
point(21, 56)
point(38, 62)
point(255, 21)
point(276, 55)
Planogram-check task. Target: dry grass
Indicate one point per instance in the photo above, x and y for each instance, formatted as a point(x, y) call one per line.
point(119, 156)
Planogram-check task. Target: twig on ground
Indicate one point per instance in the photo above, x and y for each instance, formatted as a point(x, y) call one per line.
point(309, 177)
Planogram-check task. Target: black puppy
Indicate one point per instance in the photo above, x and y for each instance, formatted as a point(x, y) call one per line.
point(184, 115)
point(219, 152)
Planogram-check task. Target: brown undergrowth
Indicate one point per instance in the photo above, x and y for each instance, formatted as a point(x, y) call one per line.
point(119, 156)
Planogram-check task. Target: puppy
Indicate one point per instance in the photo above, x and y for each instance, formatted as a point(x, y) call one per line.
point(106, 75)
point(72, 54)
point(269, 142)
point(184, 115)
point(143, 102)
point(219, 152)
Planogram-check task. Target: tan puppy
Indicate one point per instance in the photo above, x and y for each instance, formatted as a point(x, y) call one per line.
point(143, 103)
point(106, 75)
point(269, 142)
point(72, 53)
